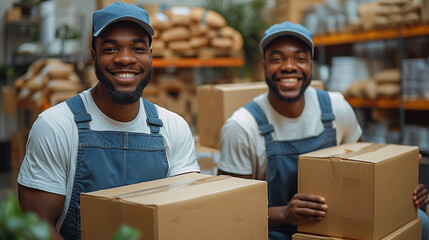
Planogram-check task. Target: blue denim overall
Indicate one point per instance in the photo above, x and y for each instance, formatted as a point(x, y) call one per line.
point(282, 158)
point(109, 159)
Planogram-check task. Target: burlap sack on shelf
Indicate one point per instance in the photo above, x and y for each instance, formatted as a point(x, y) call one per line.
point(412, 7)
point(56, 85)
point(393, 2)
point(199, 42)
point(395, 19)
point(388, 90)
point(179, 45)
point(198, 29)
point(388, 10)
point(158, 45)
point(237, 41)
point(368, 14)
point(59, 70)
point(57, 97)
point(208, 17)
point(175, 34)
point(362, 89)
point(388, 75)
point(179, 16)
point(74, 78)
point(221, 42)
point(411, 18)
point(160, 21)
point(38, 98)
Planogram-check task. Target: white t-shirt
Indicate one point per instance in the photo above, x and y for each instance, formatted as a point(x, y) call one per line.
point(52, 147)
point(243, 148)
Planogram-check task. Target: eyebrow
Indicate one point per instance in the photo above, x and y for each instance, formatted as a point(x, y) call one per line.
point(280, 52)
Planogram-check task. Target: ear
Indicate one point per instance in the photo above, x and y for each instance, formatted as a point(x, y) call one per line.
point(263, 65)
point(93, 55)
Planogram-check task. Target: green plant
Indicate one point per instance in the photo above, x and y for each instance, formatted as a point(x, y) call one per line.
point(17, 225)
point(66, 32)
point(247, 18)
point(126, 232)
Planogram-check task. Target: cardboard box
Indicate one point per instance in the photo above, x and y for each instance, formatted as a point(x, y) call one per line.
point(216, 103)
point(9, 100)
point(410, 231)
point(291, 10)
point(13, 14)
point(189, 206)
point(368, 188)
point(103, 3)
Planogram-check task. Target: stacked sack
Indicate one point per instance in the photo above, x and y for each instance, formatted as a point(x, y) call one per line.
point(46, 83)
point(384, 84)
point(185, 30)
point(388, 13)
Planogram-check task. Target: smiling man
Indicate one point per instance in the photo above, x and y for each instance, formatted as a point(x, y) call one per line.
point(263, 139)
point(107, 136)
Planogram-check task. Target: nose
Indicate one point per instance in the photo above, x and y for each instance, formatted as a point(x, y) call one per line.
point(124, 57)
point(289, 65)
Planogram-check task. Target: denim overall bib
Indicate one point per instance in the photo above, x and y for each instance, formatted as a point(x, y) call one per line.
point(282, 158)
point(109, 159)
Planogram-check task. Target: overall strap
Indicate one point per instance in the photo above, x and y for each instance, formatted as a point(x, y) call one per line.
point(325, 106)
point(152, 116)
point(264, 127)
point(81, 116)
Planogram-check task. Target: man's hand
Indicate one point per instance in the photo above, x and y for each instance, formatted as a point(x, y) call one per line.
point(301, 208)
point(305, 207)
point(420, 196)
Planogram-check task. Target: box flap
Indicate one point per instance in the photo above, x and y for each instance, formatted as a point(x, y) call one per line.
point(174, 189)
point(240, 86)
point(364, 152)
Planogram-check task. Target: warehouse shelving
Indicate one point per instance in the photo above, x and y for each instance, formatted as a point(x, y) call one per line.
point(331, 42)
point(385, 103)
point(198, 62)
point(370, 35)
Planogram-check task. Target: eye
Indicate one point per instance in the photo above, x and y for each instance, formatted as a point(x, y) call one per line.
point(109, 49)
point(140, 49)
point(301, 59)
point(276, 59)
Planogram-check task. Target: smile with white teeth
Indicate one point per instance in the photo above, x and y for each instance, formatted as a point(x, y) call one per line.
point(124, 75)
point(289, 80)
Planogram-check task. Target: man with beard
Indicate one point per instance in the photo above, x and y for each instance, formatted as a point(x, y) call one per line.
point(263, 139)
point(107, 136)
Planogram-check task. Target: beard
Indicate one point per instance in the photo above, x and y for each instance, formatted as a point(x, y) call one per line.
point(273, 88)
point(123, 98)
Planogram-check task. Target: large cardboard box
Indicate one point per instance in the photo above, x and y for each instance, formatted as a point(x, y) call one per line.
point(410, 231)
point(216, 103)
point(189, 206)
point(368, 188)
point(103, 3)
point(291, 10)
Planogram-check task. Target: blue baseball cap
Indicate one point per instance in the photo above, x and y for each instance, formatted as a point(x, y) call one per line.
point(287, 29)
point(119, 11)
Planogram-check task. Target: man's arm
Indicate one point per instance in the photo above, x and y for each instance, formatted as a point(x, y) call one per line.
point(47, 205)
